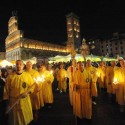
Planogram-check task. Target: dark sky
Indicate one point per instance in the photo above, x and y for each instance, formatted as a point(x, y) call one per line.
point(46, 20)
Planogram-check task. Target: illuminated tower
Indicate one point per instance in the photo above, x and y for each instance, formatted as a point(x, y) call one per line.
point(73, 31)
point(13, 40)
point(20, 47)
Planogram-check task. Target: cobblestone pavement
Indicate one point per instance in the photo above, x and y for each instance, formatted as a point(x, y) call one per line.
point(104, 113)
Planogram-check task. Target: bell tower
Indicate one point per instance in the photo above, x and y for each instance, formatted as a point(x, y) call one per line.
point(13, 40)
point(73, 31)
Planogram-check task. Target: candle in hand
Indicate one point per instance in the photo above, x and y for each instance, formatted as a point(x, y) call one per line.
point(115, 81)
point(39, 79)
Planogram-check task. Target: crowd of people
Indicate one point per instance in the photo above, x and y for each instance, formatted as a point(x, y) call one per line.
point(26, 88)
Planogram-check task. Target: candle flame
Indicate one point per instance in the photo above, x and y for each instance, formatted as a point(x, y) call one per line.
point(51, 71)
point(40, 79)
point(115, 81)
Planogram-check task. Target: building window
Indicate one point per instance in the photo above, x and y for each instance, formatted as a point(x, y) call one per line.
point(120, 42)
point(122, 52)
point(121, 47)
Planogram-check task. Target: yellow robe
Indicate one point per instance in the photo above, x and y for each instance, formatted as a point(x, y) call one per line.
point(83, 96)
point(47, 87)
point(93, 72)
point(16, 85)
point(76, 101)
point(120, 91)
point(110, 74)
point(61, 77)
point(70, 75)
point(116, 74)
point(101, 77)
point(35, 98)
point(109, 79)
point(41, 92)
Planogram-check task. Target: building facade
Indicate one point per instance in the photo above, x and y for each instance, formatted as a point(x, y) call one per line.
point(19, 47)
point(2, 55)
point(114, 46)
point(111, 47)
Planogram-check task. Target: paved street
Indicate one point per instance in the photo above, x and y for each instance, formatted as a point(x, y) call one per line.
point(104, 113)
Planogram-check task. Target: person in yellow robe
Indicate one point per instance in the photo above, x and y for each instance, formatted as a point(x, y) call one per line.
point(76, 101)
point(101, 70)
point(70, 74)
point(47, 91)
point(17, 88)
point(84, 86)
point(93, 71)
point(62, 78)
point(110, 69)
point(40, 86)
point(120, 83)
point(35, 99)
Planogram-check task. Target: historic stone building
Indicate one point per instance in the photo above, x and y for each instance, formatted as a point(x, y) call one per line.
point(110, 47)
point(19, 47)
point(73, 31)
point(2, 55)
point(114, 46)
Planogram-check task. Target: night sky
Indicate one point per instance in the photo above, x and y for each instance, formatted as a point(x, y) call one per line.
point(46, 20)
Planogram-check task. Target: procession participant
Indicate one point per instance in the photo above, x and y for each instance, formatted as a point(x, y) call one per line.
point(47, 92)
point(101, 75)
point(41, 86)
point(18, 87)
point(111, 68)
point(93, 72)
point(76, 101)
point(84, 86)
point(35, 99)
point(70, 74)
point(62, 78)
point(120, 85)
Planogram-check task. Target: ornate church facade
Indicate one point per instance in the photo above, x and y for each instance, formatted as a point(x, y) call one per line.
point(19, 47)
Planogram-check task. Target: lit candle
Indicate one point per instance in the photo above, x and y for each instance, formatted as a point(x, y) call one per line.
point(51, 71)
point(40, 79)
point(115, 81)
